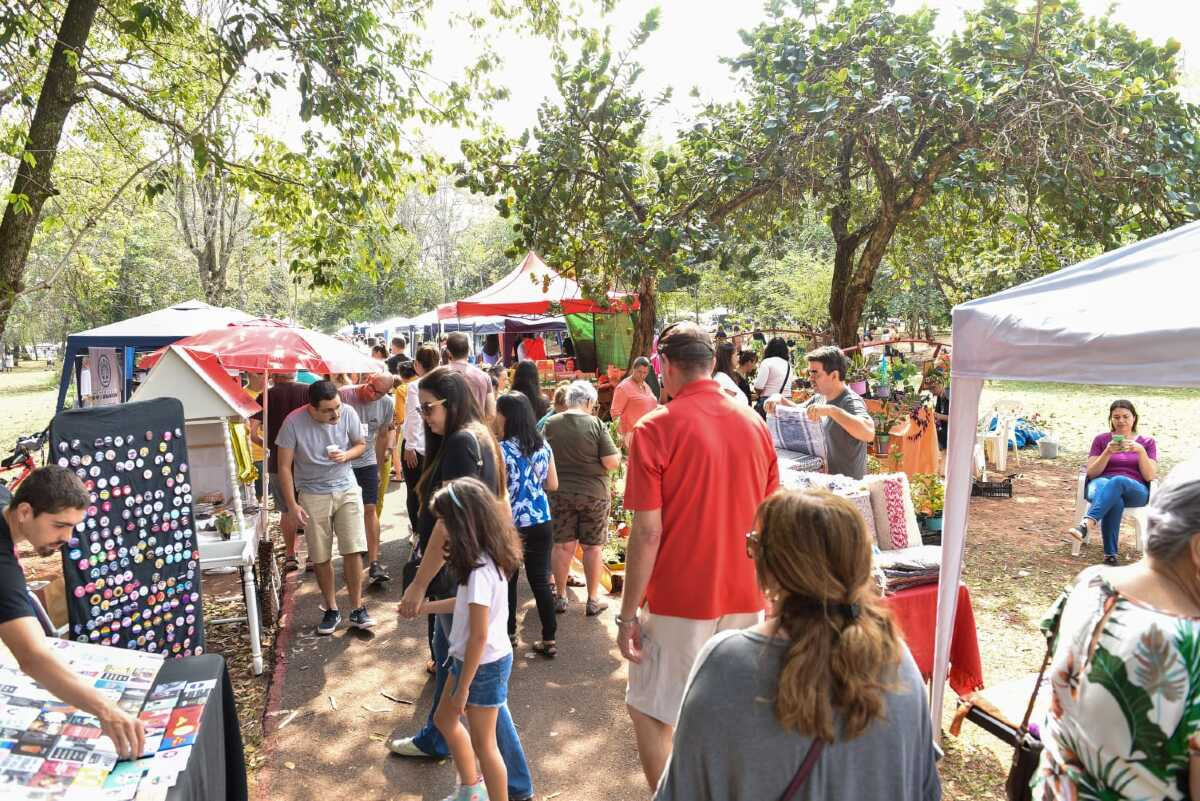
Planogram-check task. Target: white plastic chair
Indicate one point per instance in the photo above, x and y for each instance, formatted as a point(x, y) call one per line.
point(1136, 514)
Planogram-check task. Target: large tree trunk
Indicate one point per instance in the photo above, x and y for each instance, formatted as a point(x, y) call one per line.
point(32, 181)
point(853, 275)
point(643, 332)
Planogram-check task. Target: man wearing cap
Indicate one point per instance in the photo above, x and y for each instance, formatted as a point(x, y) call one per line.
point(375, 408)
point(316, 446)
point(47, 506)
point(687, 576)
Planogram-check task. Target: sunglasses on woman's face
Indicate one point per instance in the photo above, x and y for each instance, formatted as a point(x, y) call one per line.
point(427, 408)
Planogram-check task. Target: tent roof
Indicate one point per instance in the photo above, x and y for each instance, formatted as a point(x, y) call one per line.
point(160, 327)
point(199, 381)
point(1125, 317)
point(529, 290)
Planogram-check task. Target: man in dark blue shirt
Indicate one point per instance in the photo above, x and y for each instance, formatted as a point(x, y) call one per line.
point(47, 506)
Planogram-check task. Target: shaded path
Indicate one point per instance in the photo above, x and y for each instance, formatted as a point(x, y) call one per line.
point(570, 711)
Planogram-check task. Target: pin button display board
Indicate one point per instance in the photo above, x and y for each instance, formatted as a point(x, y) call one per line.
point(131, 569)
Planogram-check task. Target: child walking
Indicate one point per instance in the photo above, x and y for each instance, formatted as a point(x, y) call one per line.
point(482, 550)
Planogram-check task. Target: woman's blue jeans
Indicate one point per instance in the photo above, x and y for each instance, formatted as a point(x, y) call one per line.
point(429, 739)
point(1110, 496)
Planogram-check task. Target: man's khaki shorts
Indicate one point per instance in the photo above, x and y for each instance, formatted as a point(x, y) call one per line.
point(330, 514)
point(669, 648)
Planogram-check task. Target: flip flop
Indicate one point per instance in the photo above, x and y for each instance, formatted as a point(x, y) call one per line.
point(545, 648)
point(290, 564)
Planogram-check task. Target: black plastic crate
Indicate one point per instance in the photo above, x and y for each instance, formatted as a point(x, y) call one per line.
point(992, 489)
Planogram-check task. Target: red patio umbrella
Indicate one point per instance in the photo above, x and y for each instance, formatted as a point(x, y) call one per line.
point(266, 345)
point(270, 346)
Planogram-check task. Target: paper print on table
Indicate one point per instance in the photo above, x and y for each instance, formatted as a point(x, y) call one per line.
point(169, 764)
point(171, 689)
point(131, 566)
point(181, 731)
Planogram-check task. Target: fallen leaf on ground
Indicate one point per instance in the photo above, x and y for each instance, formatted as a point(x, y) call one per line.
point(373, 709)
point(332, 703)
point(394, 698)
point(290, 765)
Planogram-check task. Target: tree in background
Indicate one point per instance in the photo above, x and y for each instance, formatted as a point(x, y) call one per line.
point(359, 70)
point(868, 114)
point(589, 195)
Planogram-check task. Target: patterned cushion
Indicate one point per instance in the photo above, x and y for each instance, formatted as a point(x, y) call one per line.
point(895, 517)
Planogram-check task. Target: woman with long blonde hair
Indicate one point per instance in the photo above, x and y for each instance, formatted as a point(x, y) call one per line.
point(823, 699)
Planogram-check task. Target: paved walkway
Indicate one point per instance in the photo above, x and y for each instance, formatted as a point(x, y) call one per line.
point(328, 721)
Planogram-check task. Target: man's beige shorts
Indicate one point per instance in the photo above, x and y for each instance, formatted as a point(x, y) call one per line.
point(669, 647)
point(329, 514)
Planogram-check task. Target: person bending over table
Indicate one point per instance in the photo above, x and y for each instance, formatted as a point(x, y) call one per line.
point(47, 506)
point(1119, 471)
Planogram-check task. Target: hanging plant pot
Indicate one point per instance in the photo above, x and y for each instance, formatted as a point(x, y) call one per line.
point(858, 387)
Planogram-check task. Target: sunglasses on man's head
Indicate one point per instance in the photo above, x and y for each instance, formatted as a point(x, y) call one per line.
point(427, 408)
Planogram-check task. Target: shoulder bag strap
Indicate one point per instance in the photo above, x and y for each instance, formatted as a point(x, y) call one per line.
point(806, 768)
point(1037, 685)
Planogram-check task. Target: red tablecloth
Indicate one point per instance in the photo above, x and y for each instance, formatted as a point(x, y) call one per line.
point(915, 610)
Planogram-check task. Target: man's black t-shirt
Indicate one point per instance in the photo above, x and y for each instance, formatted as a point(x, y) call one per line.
point(282, 399)
point(14, 598)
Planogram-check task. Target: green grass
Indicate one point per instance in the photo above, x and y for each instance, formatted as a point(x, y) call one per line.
point(27, 398)
point(1080, 411)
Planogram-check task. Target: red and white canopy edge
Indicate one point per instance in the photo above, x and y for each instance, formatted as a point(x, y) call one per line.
point(1127, 317)
point(529, 291)
point(270, 346)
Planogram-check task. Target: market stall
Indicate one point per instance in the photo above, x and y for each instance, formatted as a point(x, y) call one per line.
point(602, 333)
point(228, 519)
point(1119, 318)
point(146, 332)
point(193, 749)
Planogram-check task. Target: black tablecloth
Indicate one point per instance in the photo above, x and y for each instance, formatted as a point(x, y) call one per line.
point(216, 769)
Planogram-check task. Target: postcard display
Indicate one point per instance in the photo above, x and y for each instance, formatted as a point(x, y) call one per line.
point(49, 750)
point(131, 568)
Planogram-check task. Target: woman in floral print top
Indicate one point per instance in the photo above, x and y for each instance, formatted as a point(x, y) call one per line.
point(1124, 717)
point(529, 466)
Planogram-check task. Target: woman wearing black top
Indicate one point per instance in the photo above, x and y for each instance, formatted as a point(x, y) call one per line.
point(527, 381)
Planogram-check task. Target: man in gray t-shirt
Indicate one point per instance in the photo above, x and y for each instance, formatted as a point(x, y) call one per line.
point(376, 409)
point(317, 444)
point(848, 425)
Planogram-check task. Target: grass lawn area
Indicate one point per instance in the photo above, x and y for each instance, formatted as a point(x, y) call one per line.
point(27, 397)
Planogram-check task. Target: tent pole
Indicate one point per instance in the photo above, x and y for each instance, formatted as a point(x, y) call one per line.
point(266, 440)
point(964, 410)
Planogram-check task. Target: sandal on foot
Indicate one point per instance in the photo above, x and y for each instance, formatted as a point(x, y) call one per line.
point(291, 564)
point(573, 581)
point(546, 648)
point(430, 667)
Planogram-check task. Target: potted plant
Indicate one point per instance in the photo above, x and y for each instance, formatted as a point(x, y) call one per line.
point(856, 373)
point(929, 498)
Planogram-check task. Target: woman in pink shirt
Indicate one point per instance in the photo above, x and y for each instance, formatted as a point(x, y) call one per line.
point(1119, 471)
point(632, 398)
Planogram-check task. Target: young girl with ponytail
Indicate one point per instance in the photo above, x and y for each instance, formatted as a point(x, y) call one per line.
point(823, 699)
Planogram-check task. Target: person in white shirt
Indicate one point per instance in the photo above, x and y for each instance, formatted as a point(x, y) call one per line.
point(725, 374)
point(774, 373)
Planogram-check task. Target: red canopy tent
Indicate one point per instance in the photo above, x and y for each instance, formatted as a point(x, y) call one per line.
point(530, 290)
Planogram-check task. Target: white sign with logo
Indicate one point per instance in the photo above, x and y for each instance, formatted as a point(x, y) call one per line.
point(104, 365)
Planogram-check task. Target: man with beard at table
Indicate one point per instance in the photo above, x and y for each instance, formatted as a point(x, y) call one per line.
point(47, 506)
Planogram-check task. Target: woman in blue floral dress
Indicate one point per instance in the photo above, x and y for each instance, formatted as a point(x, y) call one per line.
point(1124, 717)
point(529, 464)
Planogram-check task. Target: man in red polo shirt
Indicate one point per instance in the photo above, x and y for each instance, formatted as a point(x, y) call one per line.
point(698, 469)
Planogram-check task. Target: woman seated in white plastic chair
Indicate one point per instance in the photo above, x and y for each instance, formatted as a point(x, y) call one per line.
point(1119, 471)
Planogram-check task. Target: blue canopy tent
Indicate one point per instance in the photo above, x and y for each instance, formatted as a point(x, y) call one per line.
point(144, 333)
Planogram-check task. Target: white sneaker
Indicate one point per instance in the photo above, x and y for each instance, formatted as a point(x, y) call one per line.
point(404, 746)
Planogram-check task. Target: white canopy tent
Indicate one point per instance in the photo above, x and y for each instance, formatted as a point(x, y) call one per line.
point(1126, 317)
